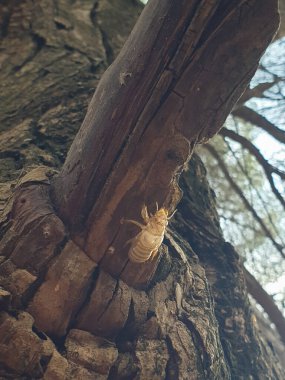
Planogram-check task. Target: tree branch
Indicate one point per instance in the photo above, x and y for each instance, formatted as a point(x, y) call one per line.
point(254, 118)
point(266, 301)
point(239, 192)
point(252, 186)
point(255, 92)
point(147, 114)
point(266, 166)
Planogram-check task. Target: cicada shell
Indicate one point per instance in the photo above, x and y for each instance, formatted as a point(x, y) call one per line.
point(145, 245)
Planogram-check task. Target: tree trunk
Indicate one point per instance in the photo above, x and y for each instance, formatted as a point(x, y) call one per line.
point(73, 305)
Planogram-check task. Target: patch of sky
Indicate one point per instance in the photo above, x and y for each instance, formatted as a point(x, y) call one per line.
point(272, 106)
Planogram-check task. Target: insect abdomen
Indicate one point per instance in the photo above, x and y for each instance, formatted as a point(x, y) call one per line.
point(143, 246)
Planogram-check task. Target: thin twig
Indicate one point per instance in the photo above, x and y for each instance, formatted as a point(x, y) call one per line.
point(239, 192)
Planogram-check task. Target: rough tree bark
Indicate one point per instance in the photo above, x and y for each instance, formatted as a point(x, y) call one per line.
point(70, 308)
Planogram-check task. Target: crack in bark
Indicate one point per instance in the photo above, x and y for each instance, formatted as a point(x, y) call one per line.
point(105, 40)
point(110, 301)
point(88, 295)
point(172, 368)
point(39, 42)
point(204, 358)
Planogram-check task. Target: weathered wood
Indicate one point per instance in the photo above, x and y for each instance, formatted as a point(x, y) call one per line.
point(35, 230)
point(57, 368)
point(63, 291)
point(151, 107)
point(33, 238)
point(108, 308)
point(93, 353)
point(17, 332)
point(152, 357)
point(5, 299)
point(19, 282)
point(121, 96)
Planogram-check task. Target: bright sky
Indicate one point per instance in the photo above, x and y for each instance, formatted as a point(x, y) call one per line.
point(276, 287)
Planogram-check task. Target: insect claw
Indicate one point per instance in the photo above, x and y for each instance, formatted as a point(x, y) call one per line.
point(128, 242)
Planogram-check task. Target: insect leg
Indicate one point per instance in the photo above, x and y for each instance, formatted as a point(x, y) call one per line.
point(128, 242)
point(142, 226)
point(144, 214)
point(153, 254)
point(172, 214)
